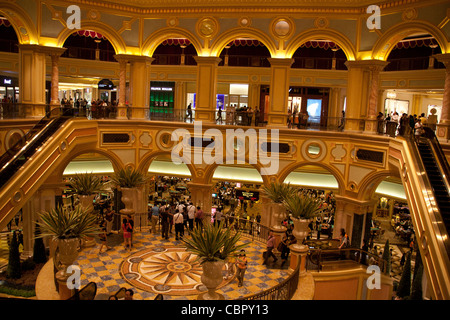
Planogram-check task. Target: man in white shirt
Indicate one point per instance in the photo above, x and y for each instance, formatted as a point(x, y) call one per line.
point(178, 221)
point(191, 215)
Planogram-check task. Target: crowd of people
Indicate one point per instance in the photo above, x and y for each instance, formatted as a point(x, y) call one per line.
point(406, 125)
point(96, 109)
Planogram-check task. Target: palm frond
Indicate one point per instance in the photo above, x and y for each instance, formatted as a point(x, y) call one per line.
point(65, 223)
point(129, 178)
point(213, 242)
point(277, 192)
point(302, 206)
point(86, 183)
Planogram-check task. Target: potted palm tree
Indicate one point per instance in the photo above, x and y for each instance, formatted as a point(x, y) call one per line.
point(128, 180)
point(213, 245)
point(86, 185)
point(303, 209)
point(66, 227)
point(277, 193)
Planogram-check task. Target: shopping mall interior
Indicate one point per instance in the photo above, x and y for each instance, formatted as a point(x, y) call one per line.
point(214, 101)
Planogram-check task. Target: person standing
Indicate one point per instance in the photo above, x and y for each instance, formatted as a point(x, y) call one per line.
point(155, 217)
point(241, 263)
point(165, 222)
point(199, 218)
point(191, 215)
point(126, 229)
point(179, 226)
point(103, 238)
point(218, 217)
point(189, 112)
point(109, 217)
point(257, 115)
point(270, 247)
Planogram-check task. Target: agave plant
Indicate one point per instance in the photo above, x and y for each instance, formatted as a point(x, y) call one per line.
point(128, 178)
point(277, 192)
point(301, 206)
point(213, 243)
point(64, 223)
point(86, 184)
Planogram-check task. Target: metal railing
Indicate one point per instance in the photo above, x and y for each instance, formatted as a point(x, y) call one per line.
point(317, 257)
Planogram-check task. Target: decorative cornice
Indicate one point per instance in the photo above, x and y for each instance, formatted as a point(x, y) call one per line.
point(146, 7)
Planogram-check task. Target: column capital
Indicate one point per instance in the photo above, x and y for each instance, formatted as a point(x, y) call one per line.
point(207, 60)
point(373, 64)
point(444, 58)
point(281, 62)
point(133, 58)
point(43, 49)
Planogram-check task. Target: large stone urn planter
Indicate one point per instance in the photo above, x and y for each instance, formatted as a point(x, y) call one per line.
point(212, 278)
point(87, 203)
point(128, 199)
point(65, 254)
point(278, 215)
point(300, 232)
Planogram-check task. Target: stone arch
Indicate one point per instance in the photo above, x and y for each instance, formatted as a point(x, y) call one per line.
point(154, 40)
point(210, 169)
point(115, 160)
point(334, 172)
point(386, 43)
point(372, 181)
point(147, 160)
point(220, 43)
point(111, 35)
point(21, 22)
point(318, 34)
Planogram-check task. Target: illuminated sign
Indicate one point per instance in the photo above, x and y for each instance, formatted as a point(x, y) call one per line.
point(7, 81)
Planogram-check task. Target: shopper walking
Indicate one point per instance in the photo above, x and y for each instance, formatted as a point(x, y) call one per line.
point(241, 263)
point(179, 224)
point(191, 215)
point(155, 217)
point(270, 247)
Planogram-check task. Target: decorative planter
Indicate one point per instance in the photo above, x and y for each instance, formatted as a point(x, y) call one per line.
point(212, 278)
point(128, 199)
point(65, 254)
point(278, 215)
point(300, 232)
point(87, 203)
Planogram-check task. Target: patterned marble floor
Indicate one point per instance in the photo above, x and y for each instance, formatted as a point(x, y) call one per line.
point(152, 261)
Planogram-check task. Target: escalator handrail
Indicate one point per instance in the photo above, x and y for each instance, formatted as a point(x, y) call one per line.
point(439, 221)
point(436, 148)
point(12, 155)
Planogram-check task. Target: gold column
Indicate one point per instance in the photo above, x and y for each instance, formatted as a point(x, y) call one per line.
point(357, 94)
point(370, 124)
point(205, 105)
point(442, 129)
point(32, 80)
point(279, 91)
point(121, 106)
point(55, 53)
point(201, 196)
point(139, 86)
point(180, 100)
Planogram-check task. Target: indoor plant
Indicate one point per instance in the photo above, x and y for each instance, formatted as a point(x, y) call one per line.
point(303, 209)
point(67, 227)
point(213, 245)
point(86, 185)
point(277, 193)
point(128, 180)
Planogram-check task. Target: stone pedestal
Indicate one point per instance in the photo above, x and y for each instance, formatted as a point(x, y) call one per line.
point(298, 257)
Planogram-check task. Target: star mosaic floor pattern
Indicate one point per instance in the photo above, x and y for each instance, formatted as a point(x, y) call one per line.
point(106, 269)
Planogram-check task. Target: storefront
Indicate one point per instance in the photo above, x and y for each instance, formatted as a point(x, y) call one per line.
point(161, 98)
point(106, 90)
point(9, 89)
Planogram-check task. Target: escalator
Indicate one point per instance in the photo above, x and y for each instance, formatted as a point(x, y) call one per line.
point(426, 171)
point(16, 156)
point(437, 170)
